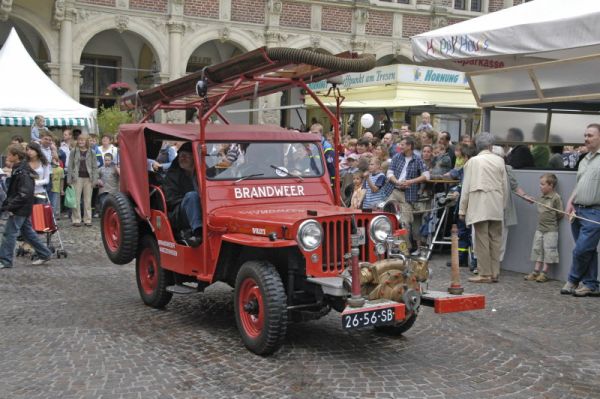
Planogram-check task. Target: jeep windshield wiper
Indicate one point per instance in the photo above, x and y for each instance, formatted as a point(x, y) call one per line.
point(249, 176)
point(286, 172)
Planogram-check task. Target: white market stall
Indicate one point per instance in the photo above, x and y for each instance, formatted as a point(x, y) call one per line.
point(530, 66)
point(28, 92)
point(539, 30)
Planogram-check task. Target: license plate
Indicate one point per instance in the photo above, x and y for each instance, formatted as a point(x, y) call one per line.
point(368, 318)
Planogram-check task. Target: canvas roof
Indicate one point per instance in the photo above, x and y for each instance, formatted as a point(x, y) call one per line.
point(536, 31)
point(28, 91)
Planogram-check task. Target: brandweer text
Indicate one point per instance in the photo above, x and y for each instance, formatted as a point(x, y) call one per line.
point(268, 191)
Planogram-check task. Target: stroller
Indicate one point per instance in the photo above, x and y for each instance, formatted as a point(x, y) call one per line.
point(43, 222)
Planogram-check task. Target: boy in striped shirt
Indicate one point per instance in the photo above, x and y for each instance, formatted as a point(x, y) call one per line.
point(374, 181)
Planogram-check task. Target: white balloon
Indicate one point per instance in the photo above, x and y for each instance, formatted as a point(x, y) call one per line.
point(367, 120)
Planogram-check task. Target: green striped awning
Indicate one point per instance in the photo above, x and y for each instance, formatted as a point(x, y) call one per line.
point(28, 121)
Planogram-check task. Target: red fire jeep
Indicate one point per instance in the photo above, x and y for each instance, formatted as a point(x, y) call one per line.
point(272, 226)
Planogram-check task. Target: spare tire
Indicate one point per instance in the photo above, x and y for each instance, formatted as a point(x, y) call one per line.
point(119, 228)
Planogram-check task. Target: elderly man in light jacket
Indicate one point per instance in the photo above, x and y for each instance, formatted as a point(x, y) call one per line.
point(483, 199)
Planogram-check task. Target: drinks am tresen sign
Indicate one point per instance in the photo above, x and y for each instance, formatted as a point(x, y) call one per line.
point(393, 74)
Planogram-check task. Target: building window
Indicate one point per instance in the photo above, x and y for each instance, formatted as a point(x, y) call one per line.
point(397, 1)
point(468, 5)
point(98, 73)
point(196, 63)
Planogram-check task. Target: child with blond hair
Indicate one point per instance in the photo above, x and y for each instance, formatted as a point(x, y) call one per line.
point(57, 183)
point(545, 240)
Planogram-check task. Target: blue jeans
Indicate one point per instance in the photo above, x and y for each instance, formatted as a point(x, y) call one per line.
point(22, 224)
point(55, 202)
point(585, 254)
point(190, 209)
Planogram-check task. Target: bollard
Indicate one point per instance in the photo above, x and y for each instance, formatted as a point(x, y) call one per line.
point(356, 300)
point(455, 287)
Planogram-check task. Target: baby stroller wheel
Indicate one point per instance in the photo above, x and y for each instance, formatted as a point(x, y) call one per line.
point(51, 248)
point(61, 253)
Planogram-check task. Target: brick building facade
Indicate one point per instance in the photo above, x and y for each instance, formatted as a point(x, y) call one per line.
point(159, 40)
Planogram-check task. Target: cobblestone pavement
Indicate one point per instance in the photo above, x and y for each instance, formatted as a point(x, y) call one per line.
point(76, 328)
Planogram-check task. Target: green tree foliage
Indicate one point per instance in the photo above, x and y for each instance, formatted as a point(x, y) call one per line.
point(110, 118)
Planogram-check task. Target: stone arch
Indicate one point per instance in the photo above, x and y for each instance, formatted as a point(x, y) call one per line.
point(327, 44)
point(236, 37)
point(39, 25)
point(154, 37)
point(399, 52)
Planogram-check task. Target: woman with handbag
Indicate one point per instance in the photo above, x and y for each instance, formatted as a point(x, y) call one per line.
point(82, 176)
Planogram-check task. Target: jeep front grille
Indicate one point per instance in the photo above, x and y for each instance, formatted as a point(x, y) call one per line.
point(336, 242)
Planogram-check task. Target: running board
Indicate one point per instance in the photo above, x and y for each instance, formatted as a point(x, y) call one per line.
point(443, 302)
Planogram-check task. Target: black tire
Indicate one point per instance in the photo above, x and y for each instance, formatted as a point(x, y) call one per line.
point(260, 307)
point(119, 228)
point(152, 279)
point(398, 328)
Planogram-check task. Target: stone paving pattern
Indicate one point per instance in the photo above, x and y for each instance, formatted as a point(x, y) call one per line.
point(76, 328)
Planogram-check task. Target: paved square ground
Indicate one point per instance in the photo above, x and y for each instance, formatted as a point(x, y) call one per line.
point(76, 328)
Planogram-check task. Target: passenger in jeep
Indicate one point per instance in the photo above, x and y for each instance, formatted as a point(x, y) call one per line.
point(183, 202)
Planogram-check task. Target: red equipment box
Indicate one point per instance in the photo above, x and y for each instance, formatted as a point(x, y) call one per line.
point(42, 218)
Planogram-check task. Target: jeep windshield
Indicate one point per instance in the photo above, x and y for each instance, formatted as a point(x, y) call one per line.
point(263, 160)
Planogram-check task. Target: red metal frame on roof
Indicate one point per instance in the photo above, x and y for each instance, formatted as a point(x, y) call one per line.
point(245, 77)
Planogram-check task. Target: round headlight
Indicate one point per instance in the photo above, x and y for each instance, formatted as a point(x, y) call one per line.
point(309, 235)
point(380, 228)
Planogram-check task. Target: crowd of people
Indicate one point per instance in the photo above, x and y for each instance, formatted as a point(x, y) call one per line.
point(47, 170)
point(408, 167)
point(405, 167)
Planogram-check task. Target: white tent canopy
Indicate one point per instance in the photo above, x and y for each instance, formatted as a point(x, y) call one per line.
point(28, 92)
point(540, 30)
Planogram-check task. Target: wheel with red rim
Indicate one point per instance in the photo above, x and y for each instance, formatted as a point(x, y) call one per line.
point(260, 307)
point(119, 229)
point(152, 279)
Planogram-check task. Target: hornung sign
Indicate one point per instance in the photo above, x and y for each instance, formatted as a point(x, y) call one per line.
point(393, 74)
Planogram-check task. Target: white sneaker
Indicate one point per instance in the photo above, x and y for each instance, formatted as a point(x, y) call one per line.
point(40, 261)
point(416, 253)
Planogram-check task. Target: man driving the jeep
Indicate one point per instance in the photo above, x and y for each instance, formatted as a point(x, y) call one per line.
point(183, 201)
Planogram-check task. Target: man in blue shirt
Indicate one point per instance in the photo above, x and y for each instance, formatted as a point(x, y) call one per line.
point(405, 174)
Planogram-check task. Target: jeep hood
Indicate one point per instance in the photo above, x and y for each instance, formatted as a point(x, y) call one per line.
point(246, 218)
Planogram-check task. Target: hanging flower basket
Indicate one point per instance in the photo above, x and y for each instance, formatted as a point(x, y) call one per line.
point(118, 88)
